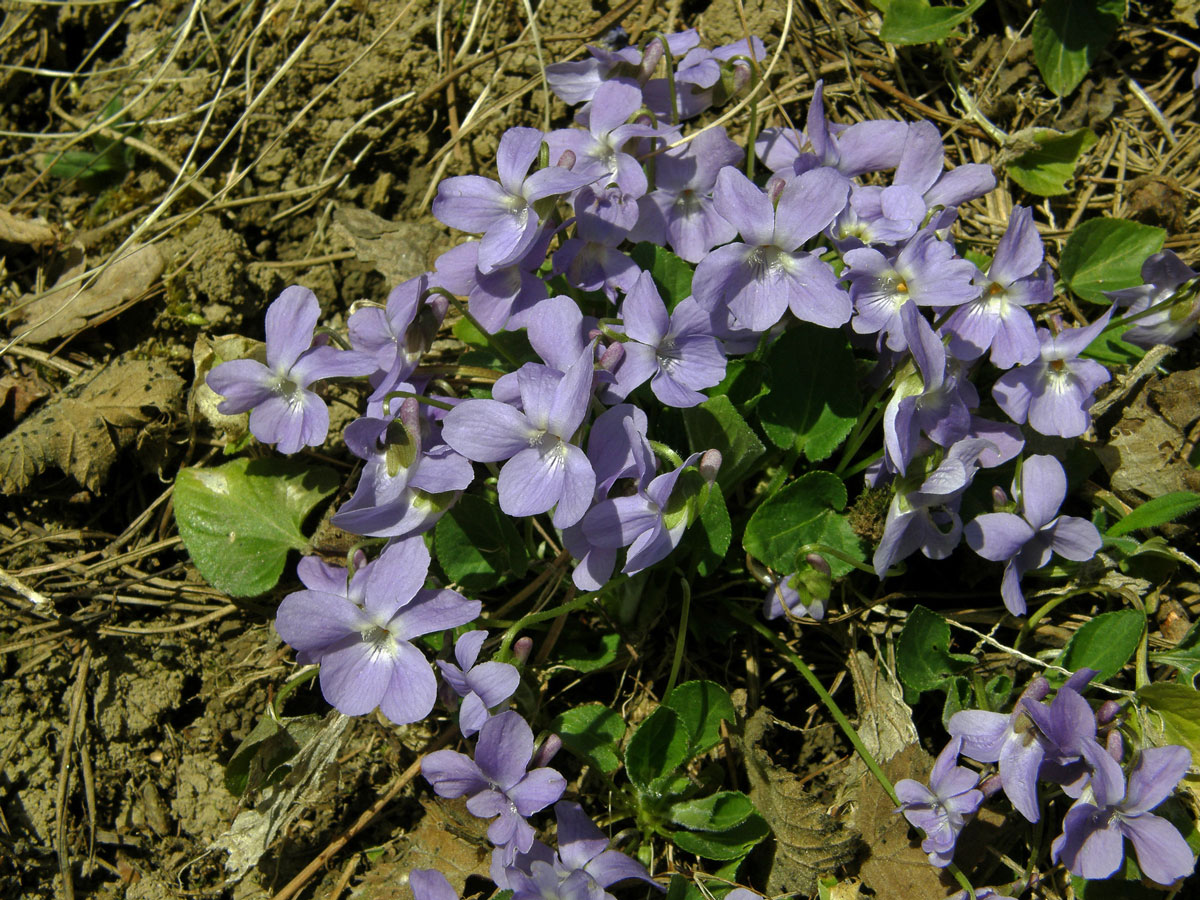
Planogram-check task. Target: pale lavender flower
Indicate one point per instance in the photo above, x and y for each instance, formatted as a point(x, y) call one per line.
point(544, 468)
point(1094, 829)
point(504, 211)
point(1027, 541)
point(496, 782)
point(760, 279)
point(1164, 274)
point(676, 352)
point(500, 298)
point(1017, 278)
point(926, 272)
point(784, 595)
point(364, 648)
point(282, 409)
point(1014, 742)
point(1054, 393)
point(483, 686)
point(410, 478)
point(398, 335)
point(943, 808)
point(590, 260)
point(680, 211)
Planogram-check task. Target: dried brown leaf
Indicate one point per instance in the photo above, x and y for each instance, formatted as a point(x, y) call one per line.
point(65, 310)
point(397, 250)
point(82, 431)
point(34, 232)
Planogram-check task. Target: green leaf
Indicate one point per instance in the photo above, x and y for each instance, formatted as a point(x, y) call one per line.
point(592, 656)
point(702, 706)
point(684, 889)
point(1105, 643)
point(239, 520)
point(477, 545)
point(1068, 36)
point(1047, 169)
point(592, 733)
point(732, 844)
point(657, 748)
point(720, 812)
point(715, 533)
point(1185, 656)
point(716, 424)
point(917, 22)
point(814, 399)
point(672, 275)
point(1156, 512)
point(804, 512)
point(1107, 255)
point(1179, 707)
point(923, 658)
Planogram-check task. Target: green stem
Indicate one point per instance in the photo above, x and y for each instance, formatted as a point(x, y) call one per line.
point(409, 395)
point(838, 716)
point(662, 451)
point(680, 639)
point(504, 654)
point(860, 431)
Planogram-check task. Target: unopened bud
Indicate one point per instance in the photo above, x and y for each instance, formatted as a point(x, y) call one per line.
point(709, 465)
point(991, 785)
point(741, 76)
point(999, 498)
point(1037, 690)
point(1115, 745)
point(651, 57)
point(775, 186)
point(612, 356)
point(1107, 712)
point(522, 647)
point(567, 160)
point(817, 561)
point(550, 747)
point(644, 119)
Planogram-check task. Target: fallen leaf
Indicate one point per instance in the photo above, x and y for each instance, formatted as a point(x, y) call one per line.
point(82, 431)
point(34, 232)
point(397, 250)
point(66, 310)
point(808, 841)
point(1145, 451)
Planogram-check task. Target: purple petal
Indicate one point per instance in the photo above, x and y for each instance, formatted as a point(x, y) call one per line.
point(1155, 772)
point(1019, 764)
point(921, 159)
point(507, 239)
point(471, 714)
point(466, 648)
point(1020, 250)
point(578, 488)
point(961, 183)
point(612, 104)
point(1014, 391)
point(301, 420)
point(1043, 489)
point(556, 332)
point(537, 790)
point(504, 749)
point(998, 536)
point(1162, 853)
point(244, 383)
point(430, 884)
point(983, 733)
point(291, 319)
point(413, 689)
point(644, 313)
point(329, 362)
point(471, 203)
point(579, 840)
point(311, 620)
point(618, 521)
point(433, 611)
point(487, 430)
point(808, 204)
point(741, 203)
point(1087, 847)
point(1074, 538)
point(653, 546)
point(532, 481)
point(452, 774)
point(494, 682)
point(396, 576)
point(611, 866)
point(516, 153)
point(355, 677)
point(1010, 588)
point(571, 396)
point(815, 293)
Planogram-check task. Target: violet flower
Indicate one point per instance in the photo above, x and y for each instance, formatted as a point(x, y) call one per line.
point(544, 468)
point(1092, 843)
point(1164, 274)
point(1055, 391)
point(1017, 278)
point(365, 650)
point(282, 409)
point(483, 687)
point(500, 298)
point(680, 211)
point(784, 595)
point(496, 782)
point(504, 211)
point(944, 807)
point(430, 884)
point(760, 279)
point(677, 352)
point(409, 479)
point(1027, 541)
point(398, 335)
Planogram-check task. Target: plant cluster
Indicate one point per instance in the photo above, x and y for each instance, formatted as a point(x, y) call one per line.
point(641, 303)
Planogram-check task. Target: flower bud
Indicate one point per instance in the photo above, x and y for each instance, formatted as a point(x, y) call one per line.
point(522, 647)
point(567, 160)
point(818, 562)
point(1115, 745)
point(999, 498)
point(612, 356)
point(1107, 712)
point(709, 464)
point(651, 57)
point(550, 747)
